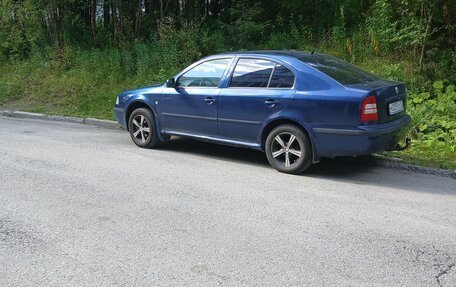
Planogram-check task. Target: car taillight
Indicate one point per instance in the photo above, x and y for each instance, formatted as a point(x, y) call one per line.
point(369, 112)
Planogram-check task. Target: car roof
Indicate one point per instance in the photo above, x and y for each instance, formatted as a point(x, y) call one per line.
point(289, 53)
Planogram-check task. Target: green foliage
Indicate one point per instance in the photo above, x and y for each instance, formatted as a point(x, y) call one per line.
point(184, 42)
point(434, 123)
point(389, 32)
point(88, 83)
point(19, 35)
point(433, 128)
point(247, 27)
point(77, 81)
point(295, 38)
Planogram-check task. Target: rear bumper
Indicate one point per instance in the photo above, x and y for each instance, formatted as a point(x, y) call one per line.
point(120, 116)
point(361, 140)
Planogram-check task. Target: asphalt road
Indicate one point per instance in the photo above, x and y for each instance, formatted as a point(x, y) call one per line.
point(83, 206)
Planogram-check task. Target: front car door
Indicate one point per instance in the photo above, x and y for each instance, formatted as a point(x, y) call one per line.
point(191, 106)
point(257, 89)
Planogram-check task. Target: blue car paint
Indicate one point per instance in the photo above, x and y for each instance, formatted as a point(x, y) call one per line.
point(186, 110)
point(326, 109)
point(243, 110)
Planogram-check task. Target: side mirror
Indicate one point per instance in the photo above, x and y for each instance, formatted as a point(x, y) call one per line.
point(171, 83)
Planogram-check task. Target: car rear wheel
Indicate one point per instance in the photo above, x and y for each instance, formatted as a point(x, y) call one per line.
point(288, 149)
point(141, 126)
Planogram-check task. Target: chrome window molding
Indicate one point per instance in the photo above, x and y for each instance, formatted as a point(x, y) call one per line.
point(270, 77)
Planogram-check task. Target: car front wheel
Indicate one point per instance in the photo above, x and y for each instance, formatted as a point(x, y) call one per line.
point(288, 149)
point(141, 126)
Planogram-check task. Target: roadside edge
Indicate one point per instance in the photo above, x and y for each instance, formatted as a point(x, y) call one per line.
point(373, 160)
point(383, 161)
point(76, 120)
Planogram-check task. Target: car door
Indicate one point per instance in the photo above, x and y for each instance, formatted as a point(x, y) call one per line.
point(191, 106)
point(257, 89)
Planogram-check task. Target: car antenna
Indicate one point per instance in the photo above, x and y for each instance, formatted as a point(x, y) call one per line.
point(320, 42)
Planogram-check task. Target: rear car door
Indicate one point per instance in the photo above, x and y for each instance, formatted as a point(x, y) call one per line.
point(191, 106)
point(257, 89)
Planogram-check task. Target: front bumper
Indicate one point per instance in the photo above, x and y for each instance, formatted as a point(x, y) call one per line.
point(362, 140)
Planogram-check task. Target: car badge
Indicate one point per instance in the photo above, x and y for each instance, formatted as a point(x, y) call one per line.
point(397, 90)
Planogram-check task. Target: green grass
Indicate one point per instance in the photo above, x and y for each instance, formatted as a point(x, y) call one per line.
point(80, 83)
point(418, 154)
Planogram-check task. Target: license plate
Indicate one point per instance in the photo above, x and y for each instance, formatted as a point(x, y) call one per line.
point(396, 107)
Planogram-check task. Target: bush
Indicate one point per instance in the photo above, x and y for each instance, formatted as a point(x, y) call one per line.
point(434, 114)
point(433, 128)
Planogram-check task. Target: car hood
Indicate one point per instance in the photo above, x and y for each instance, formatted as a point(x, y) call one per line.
point(143, 90)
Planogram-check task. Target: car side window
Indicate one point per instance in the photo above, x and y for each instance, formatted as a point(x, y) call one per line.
point(282, 77)
point(207, 74)
point(252, 73)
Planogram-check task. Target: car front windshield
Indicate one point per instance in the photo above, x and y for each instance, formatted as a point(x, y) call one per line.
point(341, 71)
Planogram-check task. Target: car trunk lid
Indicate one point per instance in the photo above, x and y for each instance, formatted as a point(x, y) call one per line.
point(391, 98)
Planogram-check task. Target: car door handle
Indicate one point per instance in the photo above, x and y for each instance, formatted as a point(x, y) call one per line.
point(271, 103)
point(209, 100)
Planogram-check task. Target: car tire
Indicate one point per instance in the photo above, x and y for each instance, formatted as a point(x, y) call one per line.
point(288, 149)
point(142, 128)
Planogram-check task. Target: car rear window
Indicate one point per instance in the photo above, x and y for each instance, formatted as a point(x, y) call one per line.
point(252, 73)
point(281, 77)
point(341, 71)
point(257, 73)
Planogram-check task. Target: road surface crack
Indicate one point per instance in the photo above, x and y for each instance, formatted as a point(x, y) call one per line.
point(444, 272)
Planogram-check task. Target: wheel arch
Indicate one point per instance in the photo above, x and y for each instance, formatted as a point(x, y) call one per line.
point(136, 105)
point(277, 122)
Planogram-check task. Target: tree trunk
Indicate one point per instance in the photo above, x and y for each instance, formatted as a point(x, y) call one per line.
point(93, 19)
point(215, 8)
point(226, 15)
point(55, 16)
point(423, 47)
point(121, 17)
point(426, 34)
point(115, 23)
point(138, 19)
point(106, 14)
point(147, 6)
point(162, 11)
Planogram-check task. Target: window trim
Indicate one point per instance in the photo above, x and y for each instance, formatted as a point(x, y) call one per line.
point(191, 67)
point(270, 76)
point(272, 73)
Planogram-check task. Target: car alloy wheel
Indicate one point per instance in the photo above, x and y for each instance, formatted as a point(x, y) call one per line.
point(288, 149)
point(141, 126)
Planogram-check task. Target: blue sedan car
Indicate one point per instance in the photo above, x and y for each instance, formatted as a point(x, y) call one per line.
point(296, 107)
